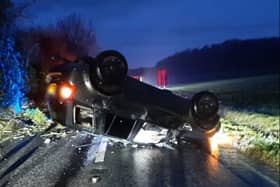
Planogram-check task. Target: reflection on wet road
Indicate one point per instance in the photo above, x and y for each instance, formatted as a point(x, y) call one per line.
point(76, 161)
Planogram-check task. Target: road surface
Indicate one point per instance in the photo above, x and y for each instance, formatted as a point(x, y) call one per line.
point(82, 159)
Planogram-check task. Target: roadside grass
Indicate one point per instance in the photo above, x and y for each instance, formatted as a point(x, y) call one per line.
point(16, 126)
point(269, 82)
point(257, 94)
point(257, 135)
point(263, 123)
point(249, 112)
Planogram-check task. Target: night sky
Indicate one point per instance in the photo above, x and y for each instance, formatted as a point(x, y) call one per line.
point(146, 31)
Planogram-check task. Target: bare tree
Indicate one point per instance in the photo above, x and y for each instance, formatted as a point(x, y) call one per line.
point(68, 39)
point(10, 13)
point(78, 34)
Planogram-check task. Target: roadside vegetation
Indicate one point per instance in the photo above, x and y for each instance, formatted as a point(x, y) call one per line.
point(257, 134)
point(17, 126)
point(249, 113)
point(26, 55)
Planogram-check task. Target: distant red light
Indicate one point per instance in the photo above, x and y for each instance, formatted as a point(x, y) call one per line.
point(162, 77)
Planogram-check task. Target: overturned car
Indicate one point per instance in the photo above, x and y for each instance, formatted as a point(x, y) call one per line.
point(97, 95)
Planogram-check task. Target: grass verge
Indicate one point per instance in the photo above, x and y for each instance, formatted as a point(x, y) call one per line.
point(257, 135)
point(249, 111)
point(16, 126)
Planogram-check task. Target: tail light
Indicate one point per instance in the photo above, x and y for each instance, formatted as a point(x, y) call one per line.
point(66, 91)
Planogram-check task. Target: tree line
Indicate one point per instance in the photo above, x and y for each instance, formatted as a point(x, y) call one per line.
point(230, 59)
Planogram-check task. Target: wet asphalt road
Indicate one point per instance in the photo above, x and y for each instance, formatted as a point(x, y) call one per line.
point(71, 161)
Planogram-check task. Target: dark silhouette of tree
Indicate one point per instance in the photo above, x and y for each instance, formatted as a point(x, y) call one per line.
point(63, 42)
point(13, 70)
point(13, 77)
point(10, 13)
point(70, 38)
point(78, 34)
point(5, 7)
point(231, 59)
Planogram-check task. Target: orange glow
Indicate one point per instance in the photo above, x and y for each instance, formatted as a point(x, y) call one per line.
point(51, 90)
point(66, 91)
point(212, 165)
point(217, 140)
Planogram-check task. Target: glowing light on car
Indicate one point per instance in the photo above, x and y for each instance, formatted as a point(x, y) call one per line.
point(66, 91)
point(217, 140)
point(51, 90)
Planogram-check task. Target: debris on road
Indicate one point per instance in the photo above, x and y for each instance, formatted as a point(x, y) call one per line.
point(16, 127)
point(134, 145)
point(165, 145)
point(95, 179)
point(47, 141)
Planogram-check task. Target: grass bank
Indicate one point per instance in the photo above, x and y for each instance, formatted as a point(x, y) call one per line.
point(249, 112)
